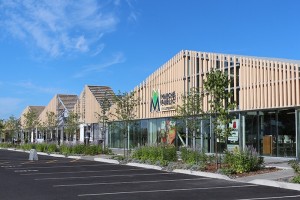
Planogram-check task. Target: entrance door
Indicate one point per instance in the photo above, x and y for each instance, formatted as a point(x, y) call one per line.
point(252, 130)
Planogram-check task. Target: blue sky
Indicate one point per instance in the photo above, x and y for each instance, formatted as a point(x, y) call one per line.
point(58, 46)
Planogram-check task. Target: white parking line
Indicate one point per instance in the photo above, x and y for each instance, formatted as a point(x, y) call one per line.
point(78, 172)
point(130, 182)
point(282, 197)
point(170, 190)
point(108, 176)
point(63, 166)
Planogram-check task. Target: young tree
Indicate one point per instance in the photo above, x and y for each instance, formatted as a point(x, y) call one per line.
point(12, 127)
point(71, 125)
point(31, 121)
point(216, 88)
point(2, 128)
point(50, 124)
point(103, 117)
point(190, 113)
point(125, 112)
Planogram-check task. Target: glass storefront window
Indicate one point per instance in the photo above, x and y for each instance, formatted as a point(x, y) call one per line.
point(272, 133)
point(286, 133)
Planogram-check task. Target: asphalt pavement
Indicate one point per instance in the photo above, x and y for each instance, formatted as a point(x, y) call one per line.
point(55, 177)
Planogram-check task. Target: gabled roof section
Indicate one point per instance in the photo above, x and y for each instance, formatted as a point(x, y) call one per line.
point(37, 109)
point(66, 101)
point(101, 92)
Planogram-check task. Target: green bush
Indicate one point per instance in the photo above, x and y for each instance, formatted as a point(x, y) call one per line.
point(92, 150)
point(51, 148)
point(42, 147)
point(241, 161)
point(7, 145)
point(28, 146)
point(163, 154)
point(78, 149)
point(191, 157)
point(296, 167)
point(65, 149)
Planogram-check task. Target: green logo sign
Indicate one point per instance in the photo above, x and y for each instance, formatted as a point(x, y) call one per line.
point(155, 106)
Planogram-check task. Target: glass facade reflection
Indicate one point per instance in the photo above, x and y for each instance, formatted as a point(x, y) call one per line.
point(270, 132)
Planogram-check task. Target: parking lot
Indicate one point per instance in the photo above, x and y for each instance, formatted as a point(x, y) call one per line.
point(64, 178)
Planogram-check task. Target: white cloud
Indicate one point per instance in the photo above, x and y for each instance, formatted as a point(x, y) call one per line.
point(59, 27)
point(36, 88)
point(118, 58)
point(81, 44)
point(8, 106)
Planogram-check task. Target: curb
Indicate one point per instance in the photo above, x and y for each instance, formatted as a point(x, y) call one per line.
point(74, 157)
point(278, 167)
point(42, 153)
point(57, 155)
point(278, 184)
point(144, 166)
point(205, 174)
point(106, 160)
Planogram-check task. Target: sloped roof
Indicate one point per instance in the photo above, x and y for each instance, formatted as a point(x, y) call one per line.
point(67, 101)
point(101, 92)
point(37, 109)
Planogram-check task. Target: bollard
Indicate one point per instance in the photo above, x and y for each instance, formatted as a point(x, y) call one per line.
point(33, 155)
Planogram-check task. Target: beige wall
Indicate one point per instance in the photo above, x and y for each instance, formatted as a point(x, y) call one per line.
point(258, 83)
point(88, 107)
point(51, 107)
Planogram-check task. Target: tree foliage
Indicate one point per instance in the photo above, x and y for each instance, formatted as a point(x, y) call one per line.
point(216, 88)
point(2, 128)
point(31, 120)
point(125, 110)
point(191, 111)
point(50, 123)
point(12, 127)
point(71, 124)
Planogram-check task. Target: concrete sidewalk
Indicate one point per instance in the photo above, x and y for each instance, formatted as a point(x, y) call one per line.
point(285, 171)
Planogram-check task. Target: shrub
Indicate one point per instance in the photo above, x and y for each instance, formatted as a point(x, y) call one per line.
point(78, 149)
point(28, 146)
point(194, 158)
point(51, 148)
point(7, 145)
point(296, 167)
point(65, 149)
point(92, 150)
point(163, 154)
point(240, 161)
point(41, 147)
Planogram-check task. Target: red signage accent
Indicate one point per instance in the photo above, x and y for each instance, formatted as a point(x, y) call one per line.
point(234, 125)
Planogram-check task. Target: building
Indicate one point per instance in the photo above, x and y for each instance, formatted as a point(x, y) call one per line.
point(267, 112)
point(93, 104)
point(29, 129)
point(266, 91)
point(60, 106)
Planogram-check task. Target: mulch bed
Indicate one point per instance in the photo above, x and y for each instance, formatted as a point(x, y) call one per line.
point(213, 169)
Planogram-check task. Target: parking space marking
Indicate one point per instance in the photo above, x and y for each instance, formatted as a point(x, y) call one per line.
point(78, 172)
point(23, 171)
point(130, 182)
point(170, 190)
point(4, 163)
point(67, 166)
point(282, 197)
point(75, 160)
point(51, 161)
point(28, 162)
point(106, 176)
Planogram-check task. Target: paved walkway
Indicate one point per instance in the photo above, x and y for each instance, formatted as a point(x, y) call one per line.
point(281, 163)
